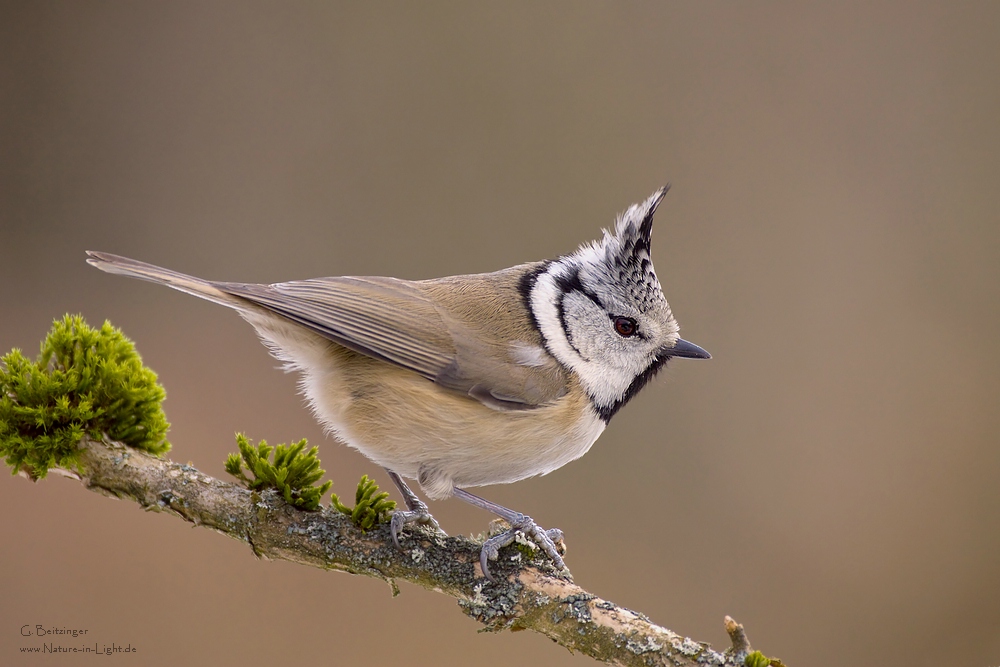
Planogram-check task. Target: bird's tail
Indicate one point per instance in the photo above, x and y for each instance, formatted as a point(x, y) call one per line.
point(129, 267)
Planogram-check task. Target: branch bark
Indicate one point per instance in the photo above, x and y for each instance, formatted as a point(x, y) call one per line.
point(528, 595)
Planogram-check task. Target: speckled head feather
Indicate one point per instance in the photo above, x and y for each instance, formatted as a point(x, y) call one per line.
point(623, 257)
point(627, 252)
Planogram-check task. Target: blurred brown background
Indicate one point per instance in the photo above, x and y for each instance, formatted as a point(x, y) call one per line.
point(830, 478)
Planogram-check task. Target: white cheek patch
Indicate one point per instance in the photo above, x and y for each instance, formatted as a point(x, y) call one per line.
point(605, 383)
point(545, 298)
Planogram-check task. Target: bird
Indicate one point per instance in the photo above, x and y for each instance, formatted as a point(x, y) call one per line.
point(469, 380)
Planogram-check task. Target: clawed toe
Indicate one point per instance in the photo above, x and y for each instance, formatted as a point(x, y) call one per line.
point(545, 539)
point(519, 524)
point(401, 518)
point(416, 511)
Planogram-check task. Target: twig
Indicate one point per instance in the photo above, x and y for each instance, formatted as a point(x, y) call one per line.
point(529, 594)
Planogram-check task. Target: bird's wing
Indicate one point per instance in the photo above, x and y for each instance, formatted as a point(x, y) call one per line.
point(500, 356)
point(418, 327)
point(384, 318)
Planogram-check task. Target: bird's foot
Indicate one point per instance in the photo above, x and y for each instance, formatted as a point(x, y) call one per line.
point(549, 541)
point(419, 515)
point(416, 511)
point(519, 524)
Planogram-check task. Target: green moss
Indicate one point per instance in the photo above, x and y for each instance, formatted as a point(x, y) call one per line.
point(85, 382)
point(292, 471)
point(371, 507)
point(758, 659)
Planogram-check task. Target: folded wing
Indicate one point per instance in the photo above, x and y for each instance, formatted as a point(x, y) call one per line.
point(409, 324)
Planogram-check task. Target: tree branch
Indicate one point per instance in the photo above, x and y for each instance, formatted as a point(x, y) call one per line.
point(529, 594)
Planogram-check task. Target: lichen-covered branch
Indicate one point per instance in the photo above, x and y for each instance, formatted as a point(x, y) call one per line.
point(529, 594)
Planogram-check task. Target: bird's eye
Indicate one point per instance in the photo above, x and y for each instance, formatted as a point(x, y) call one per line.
point(625, 327)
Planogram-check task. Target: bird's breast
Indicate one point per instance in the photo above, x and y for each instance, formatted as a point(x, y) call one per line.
point(412, 426)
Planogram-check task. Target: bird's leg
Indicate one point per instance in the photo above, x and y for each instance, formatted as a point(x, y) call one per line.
point(522, 523)
point(417, 511)
point(413, 503)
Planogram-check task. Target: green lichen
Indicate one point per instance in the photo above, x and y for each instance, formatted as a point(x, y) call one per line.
point(85, 382)
point(371, 507)
point(292, 471)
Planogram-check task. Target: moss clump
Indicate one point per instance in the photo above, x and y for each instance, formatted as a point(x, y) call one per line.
point(85, 382)
point(371, 507)
point(293, 472)
point(758, 659)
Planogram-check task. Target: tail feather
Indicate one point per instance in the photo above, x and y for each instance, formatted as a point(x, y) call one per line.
point(124, 266)
point(291, 342)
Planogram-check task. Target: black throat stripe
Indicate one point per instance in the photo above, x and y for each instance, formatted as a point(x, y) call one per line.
point(608, 411)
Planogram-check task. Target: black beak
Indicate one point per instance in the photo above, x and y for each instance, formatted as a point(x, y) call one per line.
point(682, 348)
